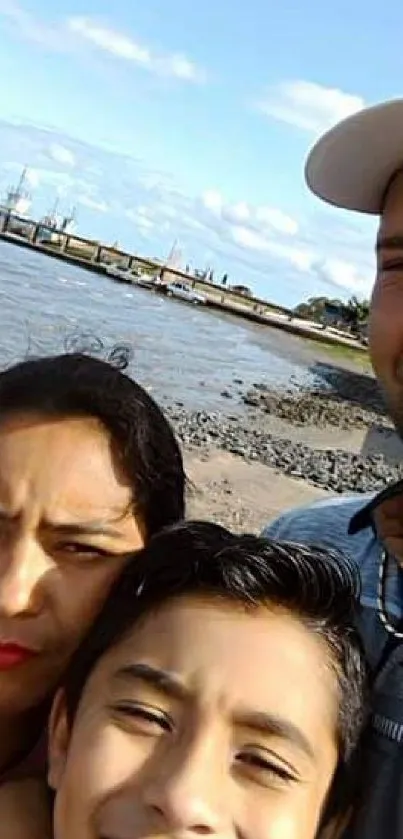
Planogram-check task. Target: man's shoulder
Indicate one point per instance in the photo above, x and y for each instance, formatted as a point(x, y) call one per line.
point(325, 522)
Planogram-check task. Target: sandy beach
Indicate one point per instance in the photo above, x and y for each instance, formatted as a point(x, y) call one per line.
point(241, 496)
point(323, 443)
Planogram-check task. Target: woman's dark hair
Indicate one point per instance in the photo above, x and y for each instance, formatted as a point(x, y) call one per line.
point(317, 586)
point(76, 384)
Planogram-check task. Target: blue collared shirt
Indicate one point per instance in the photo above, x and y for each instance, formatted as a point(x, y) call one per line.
point(326, 523)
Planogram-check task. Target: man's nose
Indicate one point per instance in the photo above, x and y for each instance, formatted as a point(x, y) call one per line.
point(23, 565)
point(188, 793)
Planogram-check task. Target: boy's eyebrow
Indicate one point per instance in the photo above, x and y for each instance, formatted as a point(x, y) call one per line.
point(273, 725)
point(163, 681)
point(267, 724)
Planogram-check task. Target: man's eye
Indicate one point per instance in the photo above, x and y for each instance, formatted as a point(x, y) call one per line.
point(144, 718)
point(266, 767)
point(392, 265)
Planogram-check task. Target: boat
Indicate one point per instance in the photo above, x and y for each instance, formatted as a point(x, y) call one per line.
point(15, 207)
point(18, 200)
point(54, 225)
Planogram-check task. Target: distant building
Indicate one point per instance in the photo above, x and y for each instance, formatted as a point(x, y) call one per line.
point(335, 314)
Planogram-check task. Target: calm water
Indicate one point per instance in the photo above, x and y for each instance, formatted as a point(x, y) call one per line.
point(181, 353)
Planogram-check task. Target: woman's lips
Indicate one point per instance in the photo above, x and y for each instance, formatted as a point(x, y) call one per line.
point(13, 655)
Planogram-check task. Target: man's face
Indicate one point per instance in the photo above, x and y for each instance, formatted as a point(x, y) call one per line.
point(386, 323)
point(205, 720)
point(65, 522)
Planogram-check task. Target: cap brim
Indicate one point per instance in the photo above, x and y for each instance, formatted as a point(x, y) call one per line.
point(351, 165)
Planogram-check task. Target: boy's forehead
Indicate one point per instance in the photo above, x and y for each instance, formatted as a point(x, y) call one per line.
point(253, 658)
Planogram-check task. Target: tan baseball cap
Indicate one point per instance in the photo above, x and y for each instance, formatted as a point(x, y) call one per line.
point(352, 164)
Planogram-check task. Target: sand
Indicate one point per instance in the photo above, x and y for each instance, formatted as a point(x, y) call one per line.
point(239, 495)
point(245, 496)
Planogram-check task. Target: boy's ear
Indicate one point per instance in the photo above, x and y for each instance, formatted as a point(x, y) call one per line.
point(59, 738)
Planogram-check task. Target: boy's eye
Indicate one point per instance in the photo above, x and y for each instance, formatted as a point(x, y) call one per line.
point(266, 767)
point(144, 717)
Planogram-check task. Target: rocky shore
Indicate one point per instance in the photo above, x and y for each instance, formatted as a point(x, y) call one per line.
point(346, 401)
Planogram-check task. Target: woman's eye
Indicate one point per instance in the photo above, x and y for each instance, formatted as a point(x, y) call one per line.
point(266, 767)
point(149, 720)
point(77, 549)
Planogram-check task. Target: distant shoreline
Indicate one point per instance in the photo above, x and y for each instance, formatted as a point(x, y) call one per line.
point(87, 254)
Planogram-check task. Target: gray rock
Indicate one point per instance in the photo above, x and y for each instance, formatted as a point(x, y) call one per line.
point(337, 470)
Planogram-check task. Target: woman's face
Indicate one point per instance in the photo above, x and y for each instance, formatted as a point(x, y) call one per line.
point(206, 720)
point(66, 522)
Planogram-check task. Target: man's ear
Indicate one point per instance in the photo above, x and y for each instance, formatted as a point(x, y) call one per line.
point(59, 738)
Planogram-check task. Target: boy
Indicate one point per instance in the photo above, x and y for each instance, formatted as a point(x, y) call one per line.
point(187, 710)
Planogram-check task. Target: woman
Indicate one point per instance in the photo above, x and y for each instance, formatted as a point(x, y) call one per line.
point(89, 470)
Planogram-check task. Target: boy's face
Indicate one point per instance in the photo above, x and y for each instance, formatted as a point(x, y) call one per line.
point(204, 720)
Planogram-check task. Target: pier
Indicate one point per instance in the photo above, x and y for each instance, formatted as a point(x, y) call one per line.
point(97, 257)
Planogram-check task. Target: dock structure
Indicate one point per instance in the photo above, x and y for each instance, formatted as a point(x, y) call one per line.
point(98, 257)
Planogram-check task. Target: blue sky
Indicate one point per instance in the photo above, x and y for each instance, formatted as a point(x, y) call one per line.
point(170, 119)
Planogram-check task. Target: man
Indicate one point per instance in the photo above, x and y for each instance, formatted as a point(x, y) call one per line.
point(89, 471)
point(358, 165)
point(187, 711)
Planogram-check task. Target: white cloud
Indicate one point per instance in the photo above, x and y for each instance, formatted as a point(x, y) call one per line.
point(109, 40)
point(61, 181)
point(212, 200)
point(248, 238)
point(299, 257)
point(60, 154)
point(45, 33)
point(33, 177)
point(276, 219)
point(238, 213)
point(182, 68)
point(75, 31)
point(93, 204)
point(261, 218)
point(283, 258)
point(142, 217)
point(123, 46)
point(345, 275)
point(308, 105)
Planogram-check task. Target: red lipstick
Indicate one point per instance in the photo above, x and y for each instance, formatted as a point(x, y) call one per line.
point(12, 655)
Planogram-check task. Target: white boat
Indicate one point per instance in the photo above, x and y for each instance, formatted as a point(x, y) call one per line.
point(18, 200)
point(54, 225)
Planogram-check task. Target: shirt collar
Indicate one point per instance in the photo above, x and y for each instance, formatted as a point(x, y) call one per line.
point(364, 517)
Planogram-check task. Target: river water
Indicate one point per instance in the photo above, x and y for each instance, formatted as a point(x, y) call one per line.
point(181, 353)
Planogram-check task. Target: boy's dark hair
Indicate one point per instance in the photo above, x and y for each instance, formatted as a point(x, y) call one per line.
point(76, 384)
point(317, 586)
